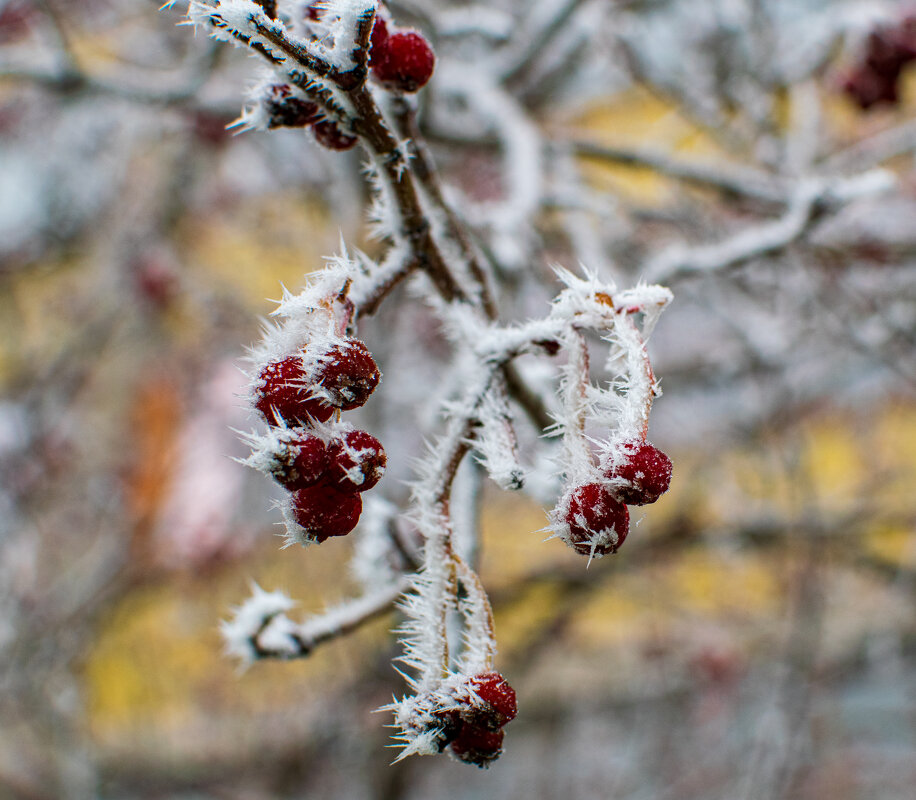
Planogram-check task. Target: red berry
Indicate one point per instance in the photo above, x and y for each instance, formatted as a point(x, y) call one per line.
point(498, 707)
point(283, 394)
point(348, 374)
point(379, 37)
point(478, 746)
point(647, 471)
point(598, 523)
point(883, 56)
point(867, 88)
point(405, 62)
point(300, 463)
point(328, 135)
point(156, 280)
point(284, 110)
point(357, 461)
point(16, 19)
point(323, 511)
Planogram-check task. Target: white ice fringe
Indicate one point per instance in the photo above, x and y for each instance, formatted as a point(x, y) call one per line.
point(250, 618)
point(496, 443)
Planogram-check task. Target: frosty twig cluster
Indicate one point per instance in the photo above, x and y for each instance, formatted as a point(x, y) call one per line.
point(310, 368)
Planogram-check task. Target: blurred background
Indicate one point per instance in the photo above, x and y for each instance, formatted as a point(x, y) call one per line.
point(755, 638)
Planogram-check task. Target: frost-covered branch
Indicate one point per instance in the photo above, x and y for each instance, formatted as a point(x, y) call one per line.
point(261, 629)
point(810, 198)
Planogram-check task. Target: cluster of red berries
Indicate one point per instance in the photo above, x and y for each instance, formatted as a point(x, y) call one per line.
point(325, 473)
point(876, 78)
point(473, 731)
point(596, 514)
point(285, 110)
point(401, 60)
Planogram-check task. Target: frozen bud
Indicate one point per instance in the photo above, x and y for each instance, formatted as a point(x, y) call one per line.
point(348, 374)
point(323, 511)
point(300, 463)
point(286, 110)
point(497, 706)
point(282, 392)
point(646, 471)
point(478, 746)
point(594, 522)
point(356, 461)
point(329, 135)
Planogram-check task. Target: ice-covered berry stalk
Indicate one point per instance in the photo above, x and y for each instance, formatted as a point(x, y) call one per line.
point(346, 72)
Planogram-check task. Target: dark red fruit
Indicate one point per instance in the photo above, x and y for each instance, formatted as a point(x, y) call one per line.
point(285, 110)
point(282, 394)
point(348, 374)
point(405, 62)
point(327, 134)
point(356, 461)
point(324, 512)
point(867, 88)
point(478, 746)
point(379, 38)
point(647, 471)
point(499, 705)
point(876, 79)
point(598, 522)
point(300, 463)
point(156, 280)
point(16, 19)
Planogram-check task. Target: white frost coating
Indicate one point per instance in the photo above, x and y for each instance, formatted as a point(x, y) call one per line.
point(340, 25)
point(260, 626)
point(496, 443)
point(250, 618)
point(244, 23)
point(574, 389)
point(228, 20)
point(479, 649)
point(349, 613)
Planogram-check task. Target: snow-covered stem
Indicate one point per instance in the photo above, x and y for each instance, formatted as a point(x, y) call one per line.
point(260, 628)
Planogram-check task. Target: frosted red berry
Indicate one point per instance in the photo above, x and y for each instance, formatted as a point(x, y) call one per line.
point(478, 746)
point(300, 463)
point(324, 511)
point(285, 110)
point(497, 705)
point(405, 62)
point(647, 472)
point(282, 393)
point(356, 461)
point(597, 522)
point(329, 135)
point(348, 374)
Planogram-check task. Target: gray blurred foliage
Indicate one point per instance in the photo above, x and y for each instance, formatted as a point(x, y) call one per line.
point(792, 263)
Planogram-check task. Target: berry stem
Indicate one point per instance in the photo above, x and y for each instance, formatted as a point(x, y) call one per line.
point(641, 386)
point(415, 228)
point(576, 399)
